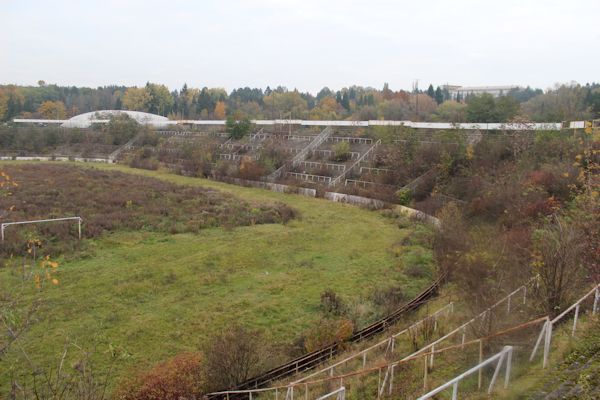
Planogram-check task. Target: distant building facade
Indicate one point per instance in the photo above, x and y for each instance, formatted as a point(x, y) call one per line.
point(461, 92)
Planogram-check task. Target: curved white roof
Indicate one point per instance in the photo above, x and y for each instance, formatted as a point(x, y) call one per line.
point(87, 119)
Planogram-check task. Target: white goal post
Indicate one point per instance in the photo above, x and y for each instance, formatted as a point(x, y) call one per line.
point(5, 224)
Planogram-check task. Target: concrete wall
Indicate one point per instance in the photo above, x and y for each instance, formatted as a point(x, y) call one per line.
point(51, 158)
point(275, 187)
point(377, 204)
point(420, 215)
point(352, 199)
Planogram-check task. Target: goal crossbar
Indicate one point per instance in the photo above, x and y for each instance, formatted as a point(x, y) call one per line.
point(5, 224)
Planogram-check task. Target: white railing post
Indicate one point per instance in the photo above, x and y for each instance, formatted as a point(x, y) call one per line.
point(575, 320)
point(391, 380)
point(496, 373)
point(596, 299)
point(455, 391)
point(382, 387)
point(425, 371)
point(503, 356)
point(508, 367)
point(378, 382)
point(479, 379)
point(547, 344)
point(539, 339)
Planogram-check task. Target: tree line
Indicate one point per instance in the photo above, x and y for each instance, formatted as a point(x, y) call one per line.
point(570, 101)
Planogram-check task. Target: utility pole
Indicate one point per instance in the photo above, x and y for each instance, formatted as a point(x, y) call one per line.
point(416, 91)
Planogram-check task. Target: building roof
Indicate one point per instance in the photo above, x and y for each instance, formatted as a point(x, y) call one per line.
point(87, 119)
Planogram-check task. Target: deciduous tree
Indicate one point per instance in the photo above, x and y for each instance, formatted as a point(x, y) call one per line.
point(136, 99)
point(219, 112)
point(52, 110)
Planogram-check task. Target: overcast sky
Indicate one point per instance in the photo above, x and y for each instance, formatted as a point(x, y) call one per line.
point(304, 44)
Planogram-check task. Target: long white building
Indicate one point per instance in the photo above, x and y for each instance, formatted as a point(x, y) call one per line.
point(463, 91)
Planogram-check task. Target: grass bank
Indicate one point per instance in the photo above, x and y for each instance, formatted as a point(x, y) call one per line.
point(153, 294)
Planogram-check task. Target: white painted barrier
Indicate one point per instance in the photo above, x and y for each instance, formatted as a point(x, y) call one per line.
point(275, 187)
point(55, 158)
point(352, 199)
point(508, 126)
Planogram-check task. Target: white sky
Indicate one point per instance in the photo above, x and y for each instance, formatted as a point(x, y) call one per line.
point(304, 44)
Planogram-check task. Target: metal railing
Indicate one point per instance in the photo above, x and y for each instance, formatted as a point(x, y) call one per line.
point(317, 357)
point(301, 155)
point(309, 177)
point(364, 184)
point(320, 165)
point(388, 343)
point(113, 156)
point(546, 332)
point(339, 394)
point(350, 139)
point(376, 171)
point(339, 178)
point(503, 357)
point(462, 329)
point(412, 185)
point(320, 138)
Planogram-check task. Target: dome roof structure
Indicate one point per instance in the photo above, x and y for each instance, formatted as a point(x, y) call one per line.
point(87, 119)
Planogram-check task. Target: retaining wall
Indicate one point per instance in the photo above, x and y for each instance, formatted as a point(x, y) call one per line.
point(352, 199)
point(275, 187)
point(56, 158)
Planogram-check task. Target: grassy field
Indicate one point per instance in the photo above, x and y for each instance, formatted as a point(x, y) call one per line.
point(155, 294)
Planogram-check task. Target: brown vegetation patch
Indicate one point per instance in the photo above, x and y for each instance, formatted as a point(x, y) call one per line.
point(112, 201)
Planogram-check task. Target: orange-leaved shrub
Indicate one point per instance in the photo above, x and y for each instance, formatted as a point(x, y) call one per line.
point(328, 331)
point(178, 378)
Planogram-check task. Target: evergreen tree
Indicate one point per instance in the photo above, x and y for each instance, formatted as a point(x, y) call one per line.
point(438, 95)
point(345, 101)
point(352, 93)
point(323, 93)
point(446, 93)
point(387, 93)
point(431, 92)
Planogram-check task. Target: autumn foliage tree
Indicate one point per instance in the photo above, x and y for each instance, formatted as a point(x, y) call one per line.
point(136, 99)
point(52, 110)
point(219, 112)
point(178, 378)
point(328, 331)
